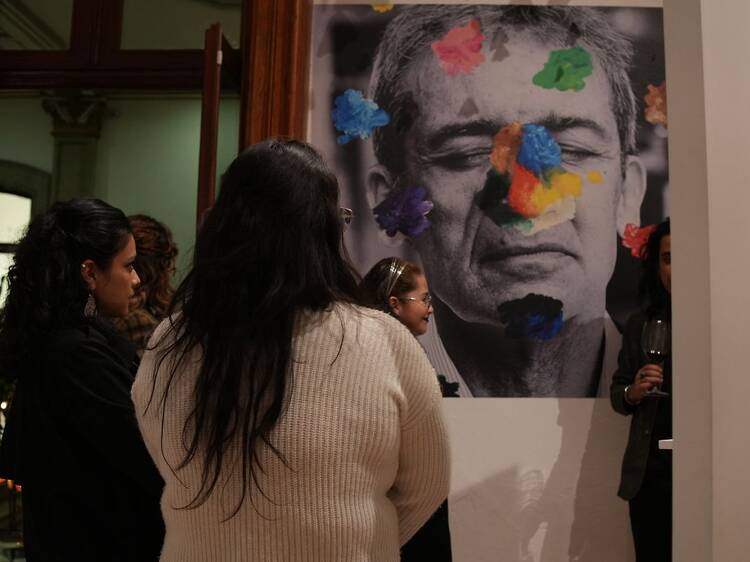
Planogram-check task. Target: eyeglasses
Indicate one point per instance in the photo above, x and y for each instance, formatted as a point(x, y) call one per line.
point(346, 215)
point(425, 300)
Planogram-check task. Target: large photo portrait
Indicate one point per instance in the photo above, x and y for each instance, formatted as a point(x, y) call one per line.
point(518, 154)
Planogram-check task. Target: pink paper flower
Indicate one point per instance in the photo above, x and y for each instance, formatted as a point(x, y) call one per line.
point(459, 51)
point(636, 238)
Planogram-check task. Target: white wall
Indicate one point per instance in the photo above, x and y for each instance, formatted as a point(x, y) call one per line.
point(708, 89)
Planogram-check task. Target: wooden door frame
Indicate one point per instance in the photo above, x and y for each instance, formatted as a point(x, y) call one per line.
point(276, 36)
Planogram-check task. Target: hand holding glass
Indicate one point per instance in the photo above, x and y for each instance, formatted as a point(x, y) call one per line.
point(656, 342)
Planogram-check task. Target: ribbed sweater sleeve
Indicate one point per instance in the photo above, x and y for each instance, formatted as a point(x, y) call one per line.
point(424, 468)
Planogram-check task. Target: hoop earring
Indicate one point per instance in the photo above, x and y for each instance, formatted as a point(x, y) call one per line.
point(89, 311)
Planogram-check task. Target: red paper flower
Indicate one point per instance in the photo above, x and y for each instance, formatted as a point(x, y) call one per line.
point(635, 238)
point(459, 51)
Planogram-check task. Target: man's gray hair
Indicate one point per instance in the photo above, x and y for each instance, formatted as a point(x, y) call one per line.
point(410, 33)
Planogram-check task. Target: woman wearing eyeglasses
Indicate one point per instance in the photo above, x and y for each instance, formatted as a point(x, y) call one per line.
point(399, 288)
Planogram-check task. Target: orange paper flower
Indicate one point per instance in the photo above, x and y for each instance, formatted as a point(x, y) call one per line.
point(505, 147)
point(520, 195)
point(656, 104)
point(459, 51)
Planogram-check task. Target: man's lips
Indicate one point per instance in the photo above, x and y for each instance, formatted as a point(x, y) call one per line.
point(520, 250)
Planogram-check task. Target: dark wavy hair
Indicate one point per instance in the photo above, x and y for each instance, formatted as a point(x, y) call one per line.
point(390, 277)
point(654, 296)
point(46, 288)
point(154, 262)
point(271, 246)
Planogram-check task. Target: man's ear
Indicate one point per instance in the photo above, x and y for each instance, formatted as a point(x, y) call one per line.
point(88, 272)
point(380, 184)
point(630, 196)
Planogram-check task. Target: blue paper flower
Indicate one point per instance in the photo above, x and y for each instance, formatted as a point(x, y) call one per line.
point(538, 151)
point(541, 327)
point(356, 116)
point(534, 316)
point(404, 211)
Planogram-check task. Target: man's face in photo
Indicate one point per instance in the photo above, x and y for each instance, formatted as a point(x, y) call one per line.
point(474, 264)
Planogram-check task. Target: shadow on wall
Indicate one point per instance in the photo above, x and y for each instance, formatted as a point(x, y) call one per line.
point(569, 512)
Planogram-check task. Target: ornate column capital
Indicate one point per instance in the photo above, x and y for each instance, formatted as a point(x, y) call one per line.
point(76, 113)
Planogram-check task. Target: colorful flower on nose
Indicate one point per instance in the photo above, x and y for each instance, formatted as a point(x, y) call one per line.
point(539, 151)
point(565, 70)
point(459, 52)
point(356, 116)
point(527, 188)
point(404, 211)
point(505, 147)
point(534, 316)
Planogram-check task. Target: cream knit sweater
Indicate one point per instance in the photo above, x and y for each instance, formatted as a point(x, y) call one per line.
point(363, 435)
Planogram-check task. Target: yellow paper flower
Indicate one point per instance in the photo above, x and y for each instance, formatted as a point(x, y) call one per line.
point(595, 176)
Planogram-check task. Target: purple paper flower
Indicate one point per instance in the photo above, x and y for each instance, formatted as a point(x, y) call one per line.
point(538, 151)
point(404, 211)
point(356, 116)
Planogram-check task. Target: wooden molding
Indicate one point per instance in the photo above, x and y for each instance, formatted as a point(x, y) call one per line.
point(276, 49)
point(212, 61)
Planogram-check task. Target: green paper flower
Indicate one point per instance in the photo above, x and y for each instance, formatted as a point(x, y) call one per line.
point(565, 70)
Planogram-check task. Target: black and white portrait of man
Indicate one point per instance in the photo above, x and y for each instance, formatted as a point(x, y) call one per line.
point(519, 131)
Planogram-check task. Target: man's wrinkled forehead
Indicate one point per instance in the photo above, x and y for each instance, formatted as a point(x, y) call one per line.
point(499, 92)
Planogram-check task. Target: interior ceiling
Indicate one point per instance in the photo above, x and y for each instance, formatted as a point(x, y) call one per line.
point(35, 24)
point(45, 24)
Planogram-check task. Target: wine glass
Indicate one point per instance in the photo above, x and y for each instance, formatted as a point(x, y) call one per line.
point(656, 342)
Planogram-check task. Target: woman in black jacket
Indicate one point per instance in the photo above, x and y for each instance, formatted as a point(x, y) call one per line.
point(646, 480)
point(90, 489)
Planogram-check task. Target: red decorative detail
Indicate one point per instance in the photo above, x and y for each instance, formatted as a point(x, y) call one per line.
point(635, 238)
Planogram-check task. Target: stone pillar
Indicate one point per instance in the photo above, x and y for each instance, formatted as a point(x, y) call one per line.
point(77, 120)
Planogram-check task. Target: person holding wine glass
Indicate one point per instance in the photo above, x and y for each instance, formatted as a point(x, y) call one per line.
point(641, 388)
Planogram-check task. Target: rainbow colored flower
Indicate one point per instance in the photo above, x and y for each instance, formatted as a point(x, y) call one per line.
point(527, 187)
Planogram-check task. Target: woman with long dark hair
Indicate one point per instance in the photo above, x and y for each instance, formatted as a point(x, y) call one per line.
point(646, 481)
point(288, 423)
point(90, 490)
point(155, 261)
point(399, 288)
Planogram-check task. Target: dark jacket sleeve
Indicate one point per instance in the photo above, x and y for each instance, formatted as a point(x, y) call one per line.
point(91, 388)
point(628, 362)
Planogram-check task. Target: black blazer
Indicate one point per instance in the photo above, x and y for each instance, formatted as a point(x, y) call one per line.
point(630, 359)
point(90, 489)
